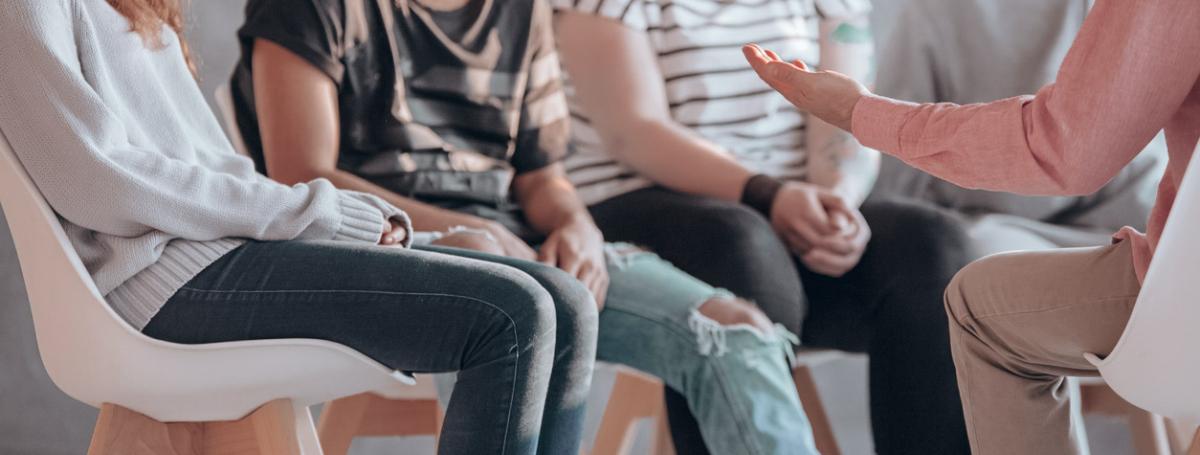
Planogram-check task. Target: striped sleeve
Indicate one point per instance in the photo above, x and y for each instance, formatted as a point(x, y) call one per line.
point(843, 9)
point(631, 13)
point(545, 118)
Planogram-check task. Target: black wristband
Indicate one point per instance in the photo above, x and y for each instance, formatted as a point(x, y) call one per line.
point(759, 193)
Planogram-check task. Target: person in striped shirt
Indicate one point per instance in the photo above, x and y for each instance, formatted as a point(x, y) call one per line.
point(453, 110)
point(677, 145)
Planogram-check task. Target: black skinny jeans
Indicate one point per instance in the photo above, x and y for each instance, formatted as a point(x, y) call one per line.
point(522, 341)
point(890, 306)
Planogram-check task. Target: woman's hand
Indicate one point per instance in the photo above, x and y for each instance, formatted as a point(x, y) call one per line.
point(577, 247)
point(393, 234)
point(829, 95)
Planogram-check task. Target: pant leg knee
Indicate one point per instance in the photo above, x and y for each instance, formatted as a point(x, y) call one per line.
point(730, 311)
point(575, 308)
point(525, 303)
point(577, 319)
point(925, 243)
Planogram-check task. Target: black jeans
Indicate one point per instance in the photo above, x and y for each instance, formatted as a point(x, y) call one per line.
point(522, 342)
point(890, 306)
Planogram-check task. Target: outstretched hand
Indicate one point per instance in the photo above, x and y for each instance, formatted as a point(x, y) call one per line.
point(829, 95)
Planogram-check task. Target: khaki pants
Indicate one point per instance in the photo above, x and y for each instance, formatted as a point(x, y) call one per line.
point(1021, 322)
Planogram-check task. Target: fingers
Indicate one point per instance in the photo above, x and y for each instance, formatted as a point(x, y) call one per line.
point(548, 253)
point(392, 234)
point(771, 68)
point(596, 280)
point(827, 263)
point(571, 260)
point(815, 217)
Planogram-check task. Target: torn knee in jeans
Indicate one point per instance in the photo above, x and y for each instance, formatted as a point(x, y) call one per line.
point(718, 315)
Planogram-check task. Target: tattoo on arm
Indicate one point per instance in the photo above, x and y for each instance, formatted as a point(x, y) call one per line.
point(854, 164)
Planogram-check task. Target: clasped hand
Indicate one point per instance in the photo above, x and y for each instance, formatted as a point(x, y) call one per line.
point(827, 233)
point(576, 247)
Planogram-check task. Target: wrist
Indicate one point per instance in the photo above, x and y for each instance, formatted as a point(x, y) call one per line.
point(760, 192)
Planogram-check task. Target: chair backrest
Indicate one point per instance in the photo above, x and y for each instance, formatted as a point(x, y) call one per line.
point(1156, 364)
point(68, 311)
point(92, 355)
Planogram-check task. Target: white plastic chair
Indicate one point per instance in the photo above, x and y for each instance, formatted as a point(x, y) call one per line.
point(95, 357)
point(1156, 364)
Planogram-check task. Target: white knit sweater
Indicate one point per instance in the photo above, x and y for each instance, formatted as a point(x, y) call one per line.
point(119, 140)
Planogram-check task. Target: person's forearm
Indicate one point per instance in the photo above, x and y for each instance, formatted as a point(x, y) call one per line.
point(837, 161)
point(549, 200)
point(425, 217)
point(675, 157)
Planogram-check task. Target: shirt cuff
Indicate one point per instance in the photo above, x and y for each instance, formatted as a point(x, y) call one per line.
point(877, 122)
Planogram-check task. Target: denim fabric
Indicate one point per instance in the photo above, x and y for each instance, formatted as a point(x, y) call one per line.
point(736, 379)
point(889, 306)
point(414, 311)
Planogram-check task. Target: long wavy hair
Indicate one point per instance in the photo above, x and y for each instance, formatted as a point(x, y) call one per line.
point(147, 18)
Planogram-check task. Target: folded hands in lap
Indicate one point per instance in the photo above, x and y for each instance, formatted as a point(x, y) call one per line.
point(827, 233)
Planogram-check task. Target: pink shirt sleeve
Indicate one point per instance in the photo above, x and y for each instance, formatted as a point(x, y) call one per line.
point(1128, 72)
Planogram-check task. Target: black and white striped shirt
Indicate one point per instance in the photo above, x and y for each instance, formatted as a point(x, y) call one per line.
point(709, 85)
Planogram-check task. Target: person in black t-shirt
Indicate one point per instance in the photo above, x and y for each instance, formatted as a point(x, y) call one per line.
point(454, 111)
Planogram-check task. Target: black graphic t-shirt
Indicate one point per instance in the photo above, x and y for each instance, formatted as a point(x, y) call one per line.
point(444, 107)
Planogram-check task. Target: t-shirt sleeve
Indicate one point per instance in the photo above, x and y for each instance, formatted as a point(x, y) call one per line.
point(545, 118)
point(843, 9)
point(631, 13)
point(311, 29)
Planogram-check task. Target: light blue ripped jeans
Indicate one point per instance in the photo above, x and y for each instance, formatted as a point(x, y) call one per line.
point(736, 379)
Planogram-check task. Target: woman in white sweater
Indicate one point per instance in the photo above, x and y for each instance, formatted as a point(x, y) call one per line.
point(189, 244)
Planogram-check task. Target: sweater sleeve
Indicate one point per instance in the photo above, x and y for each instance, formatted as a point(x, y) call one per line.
point(1126, 75)
point(79, 153)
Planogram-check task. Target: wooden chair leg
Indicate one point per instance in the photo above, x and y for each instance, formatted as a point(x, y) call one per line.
point(368, 414)
point(806, 387)
point(662, 435)
point(633, 397)
point(269, 430)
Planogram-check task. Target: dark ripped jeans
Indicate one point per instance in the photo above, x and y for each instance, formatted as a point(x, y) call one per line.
point(520, 386)
point(890, 306)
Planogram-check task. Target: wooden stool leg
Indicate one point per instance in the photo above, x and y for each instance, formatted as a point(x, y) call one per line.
point(339, 423)
point(269, 430)
point(632, 398)
point(368, 414)
point(806, 387)
point(662, 435)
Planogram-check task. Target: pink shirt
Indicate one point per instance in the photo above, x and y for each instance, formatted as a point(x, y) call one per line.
point(1133, 70)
